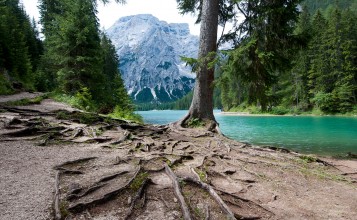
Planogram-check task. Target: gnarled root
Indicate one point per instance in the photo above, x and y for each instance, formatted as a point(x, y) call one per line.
point(177, 190)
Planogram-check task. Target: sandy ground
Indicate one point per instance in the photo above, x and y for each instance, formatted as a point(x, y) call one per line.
point(27, 177)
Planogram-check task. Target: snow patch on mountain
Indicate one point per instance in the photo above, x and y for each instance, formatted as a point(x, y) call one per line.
point(149, 51)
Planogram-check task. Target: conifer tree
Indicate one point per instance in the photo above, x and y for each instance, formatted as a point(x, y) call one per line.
point(19, 53)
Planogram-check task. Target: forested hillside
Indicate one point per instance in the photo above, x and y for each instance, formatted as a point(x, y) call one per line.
point(307, 65)
point(76, 62)
point(20, 48)
point(314, 5)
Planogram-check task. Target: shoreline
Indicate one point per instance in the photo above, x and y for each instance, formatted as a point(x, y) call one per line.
point(125, 160)
point(286, 115)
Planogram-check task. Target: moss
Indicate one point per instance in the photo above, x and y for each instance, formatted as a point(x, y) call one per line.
point(308, 158)
point(201, 174)
point(195, 122)
point(138, 181)
point(64, 209)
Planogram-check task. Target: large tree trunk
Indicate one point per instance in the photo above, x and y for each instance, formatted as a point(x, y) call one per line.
point(202, 102)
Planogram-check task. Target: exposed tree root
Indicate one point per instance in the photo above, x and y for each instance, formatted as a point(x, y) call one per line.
point(346, 174)
point(179, 196)
point(57, 197)
point(138, 195)
point(82, 206)
point(207, 213)
point(126, 136)
point(244, 200)
point(213, 193)
point(67, 171)
point(29, 131)
point(221, 161)
point(72, 162)
point(27, 112)
point(110, 177)
point(86, 192)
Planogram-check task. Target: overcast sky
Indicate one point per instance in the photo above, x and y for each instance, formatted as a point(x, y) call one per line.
point(165, 10)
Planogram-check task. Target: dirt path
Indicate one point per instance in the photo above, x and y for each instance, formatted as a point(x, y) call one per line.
point(129, 170)
point(19, 96)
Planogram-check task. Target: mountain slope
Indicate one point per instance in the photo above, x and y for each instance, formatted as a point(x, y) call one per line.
point(149, 51)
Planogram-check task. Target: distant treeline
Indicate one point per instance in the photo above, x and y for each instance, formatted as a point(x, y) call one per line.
point(314, 5)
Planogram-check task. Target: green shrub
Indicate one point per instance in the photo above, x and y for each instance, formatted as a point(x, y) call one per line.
point(81, 100)
point(280, 110)
point(5, 86)
point(127, 114)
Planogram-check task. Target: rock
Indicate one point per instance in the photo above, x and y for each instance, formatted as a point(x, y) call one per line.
point(149, 51)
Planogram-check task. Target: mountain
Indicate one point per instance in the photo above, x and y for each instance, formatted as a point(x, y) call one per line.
point(149, 51)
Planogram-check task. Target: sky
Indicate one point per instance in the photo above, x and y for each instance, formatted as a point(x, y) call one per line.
point(165, 10)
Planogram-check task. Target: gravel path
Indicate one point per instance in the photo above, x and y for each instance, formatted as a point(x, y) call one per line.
point(27, 178)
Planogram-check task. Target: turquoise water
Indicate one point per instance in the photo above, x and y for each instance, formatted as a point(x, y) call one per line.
point(306, 134)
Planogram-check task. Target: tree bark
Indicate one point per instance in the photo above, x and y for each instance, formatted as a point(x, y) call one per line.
point(202, 102)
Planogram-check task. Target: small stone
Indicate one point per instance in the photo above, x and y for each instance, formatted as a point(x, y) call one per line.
point(129, 200)
point(175, 200)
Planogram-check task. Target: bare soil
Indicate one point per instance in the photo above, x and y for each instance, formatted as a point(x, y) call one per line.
point(55, 166)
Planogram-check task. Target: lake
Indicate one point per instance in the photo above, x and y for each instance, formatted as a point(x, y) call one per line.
point(325, 135)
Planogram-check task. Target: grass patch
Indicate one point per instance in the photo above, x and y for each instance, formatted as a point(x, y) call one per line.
point(322, 174)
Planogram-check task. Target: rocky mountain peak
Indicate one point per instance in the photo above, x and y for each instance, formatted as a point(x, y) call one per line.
point(149, 51)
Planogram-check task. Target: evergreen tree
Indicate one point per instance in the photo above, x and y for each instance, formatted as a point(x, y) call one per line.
point(263, 46)
point(80, 57)
point(19, 45)
point(116, 94)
